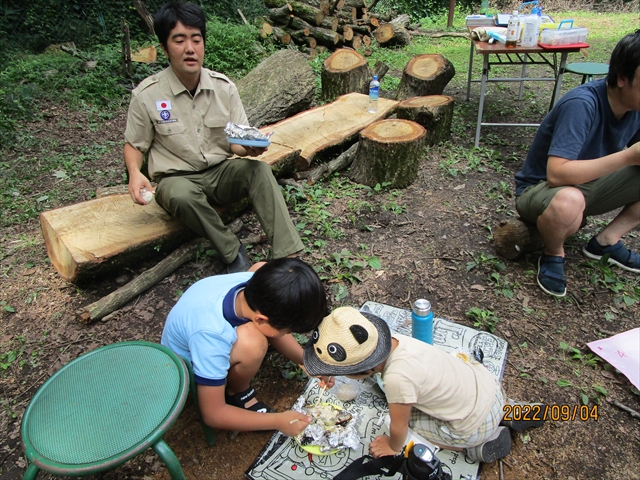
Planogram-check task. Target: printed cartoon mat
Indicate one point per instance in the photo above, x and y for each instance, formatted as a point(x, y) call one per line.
point(283, 459)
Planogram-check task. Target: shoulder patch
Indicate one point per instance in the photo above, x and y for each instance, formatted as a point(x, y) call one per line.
point(146, 83)
point(220, 76)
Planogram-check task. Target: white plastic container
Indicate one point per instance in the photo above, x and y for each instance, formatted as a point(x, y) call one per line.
point(563, 37)
point(531, 31)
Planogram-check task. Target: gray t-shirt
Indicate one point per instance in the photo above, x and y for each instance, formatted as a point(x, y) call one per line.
point(581, 126)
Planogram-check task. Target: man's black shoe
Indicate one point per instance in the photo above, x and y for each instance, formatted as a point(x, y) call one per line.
point(241, 263)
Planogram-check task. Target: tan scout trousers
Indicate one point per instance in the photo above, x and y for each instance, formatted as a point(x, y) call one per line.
point(187, 197)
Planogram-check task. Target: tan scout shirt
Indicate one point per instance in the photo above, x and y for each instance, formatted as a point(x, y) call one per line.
point(183, 134)
point(439, 384)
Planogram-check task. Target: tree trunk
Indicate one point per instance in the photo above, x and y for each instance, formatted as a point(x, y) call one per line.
point(515, 237)
point(344, 71)
point(146, 16)
point(356, 42)
point(330, 23)
point(389, 34)
point(389, 151)
point(279, 87)
point(316, 130)
point(306, 12)
point(434, 113)
point(90, 238)
point(281, 15)
point(339, 163)
point(282, 36)
point(301, 39)
point(401, 21)
point(425, 75)
point(347, 33)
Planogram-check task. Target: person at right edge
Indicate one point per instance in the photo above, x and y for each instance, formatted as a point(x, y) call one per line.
point(585, 160)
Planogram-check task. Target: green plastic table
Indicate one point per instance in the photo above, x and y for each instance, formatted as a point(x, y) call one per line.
point(104, 408)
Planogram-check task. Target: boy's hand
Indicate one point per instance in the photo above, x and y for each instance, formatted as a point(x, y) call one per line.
point(380, 447)
point(326, 382)
point(292, 422)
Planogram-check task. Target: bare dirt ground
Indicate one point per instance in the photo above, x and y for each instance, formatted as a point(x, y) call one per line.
point(433, 240)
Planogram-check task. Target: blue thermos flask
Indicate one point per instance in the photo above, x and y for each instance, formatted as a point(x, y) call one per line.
point(422, 321)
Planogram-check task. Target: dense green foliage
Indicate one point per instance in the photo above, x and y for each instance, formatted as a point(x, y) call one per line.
point(232, 49)
point(421, 9)
point(35, 24)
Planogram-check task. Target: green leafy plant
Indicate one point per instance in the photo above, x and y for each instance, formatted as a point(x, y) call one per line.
point(483, 319)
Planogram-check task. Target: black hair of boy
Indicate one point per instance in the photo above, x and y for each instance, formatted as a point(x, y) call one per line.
point(289, 293)
point(625, 59)
point(169, 14)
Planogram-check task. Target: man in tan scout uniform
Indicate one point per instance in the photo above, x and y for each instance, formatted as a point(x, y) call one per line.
point(179, 116)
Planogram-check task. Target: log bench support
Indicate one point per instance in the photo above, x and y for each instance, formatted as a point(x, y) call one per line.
point(389, 151)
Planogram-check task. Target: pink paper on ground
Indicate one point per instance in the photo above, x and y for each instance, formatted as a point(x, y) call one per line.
point(623, 352)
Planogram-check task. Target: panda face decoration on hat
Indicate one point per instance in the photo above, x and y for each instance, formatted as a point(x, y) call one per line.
point(347, 342)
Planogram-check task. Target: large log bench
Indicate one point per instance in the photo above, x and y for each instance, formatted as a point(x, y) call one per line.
point(90, 238)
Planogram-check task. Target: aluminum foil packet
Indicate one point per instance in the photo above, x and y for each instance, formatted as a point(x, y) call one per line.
point(245, 132)
point(323, 432)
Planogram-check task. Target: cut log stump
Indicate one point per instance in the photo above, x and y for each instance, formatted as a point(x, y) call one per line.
point(389, 151)
point(344, 71)
point(89, 238)
point(425, 75)
point(514, 237)
point(392, 34)
point(433, 112)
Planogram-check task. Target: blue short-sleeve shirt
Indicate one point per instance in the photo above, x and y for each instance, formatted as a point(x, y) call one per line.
point(202, 326)
point(581, 126)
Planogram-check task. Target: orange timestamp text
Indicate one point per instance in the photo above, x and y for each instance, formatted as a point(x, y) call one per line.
point(563, 413)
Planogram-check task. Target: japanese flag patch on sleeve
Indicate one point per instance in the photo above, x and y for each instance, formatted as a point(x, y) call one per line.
point(163, 105)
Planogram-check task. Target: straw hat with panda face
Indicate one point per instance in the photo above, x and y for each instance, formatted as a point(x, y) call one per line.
point(347, 342)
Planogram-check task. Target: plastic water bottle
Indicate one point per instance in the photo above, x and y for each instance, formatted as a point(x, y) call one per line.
point(531, 30)
point(422, 321)
point(513, 30)
point(374, 93)
point(484, 7)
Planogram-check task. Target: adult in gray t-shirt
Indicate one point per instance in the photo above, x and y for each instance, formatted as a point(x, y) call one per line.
point(585, 160)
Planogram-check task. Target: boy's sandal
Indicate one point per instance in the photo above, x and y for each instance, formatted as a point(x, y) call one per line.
point(551, 277)
point(240, 400)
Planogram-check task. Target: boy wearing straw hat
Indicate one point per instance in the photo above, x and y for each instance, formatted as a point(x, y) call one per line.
point(452, 403)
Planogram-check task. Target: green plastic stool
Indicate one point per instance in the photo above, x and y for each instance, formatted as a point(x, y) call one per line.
point(104, 408)
point(209, 434)
point(587, 69)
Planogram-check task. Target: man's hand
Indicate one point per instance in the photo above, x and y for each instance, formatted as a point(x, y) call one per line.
point(137, 181)
point(380, 447)
point(291, 423)
point(243, 151)
point(133, 159)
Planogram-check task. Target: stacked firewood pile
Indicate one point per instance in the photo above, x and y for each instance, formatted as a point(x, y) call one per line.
point(320, 25)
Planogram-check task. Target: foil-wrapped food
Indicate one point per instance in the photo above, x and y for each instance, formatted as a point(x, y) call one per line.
point(331, 429)
point(245, 132)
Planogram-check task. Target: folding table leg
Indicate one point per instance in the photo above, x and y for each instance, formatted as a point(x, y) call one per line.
point(470, 68)
point(561, 70)
point(523, 75)
point(483, 86)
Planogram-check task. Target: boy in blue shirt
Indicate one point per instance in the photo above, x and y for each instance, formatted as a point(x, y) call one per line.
point(224, 325)
point(585, 160)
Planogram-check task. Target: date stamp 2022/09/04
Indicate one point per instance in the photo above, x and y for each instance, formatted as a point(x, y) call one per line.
point(540, 412)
